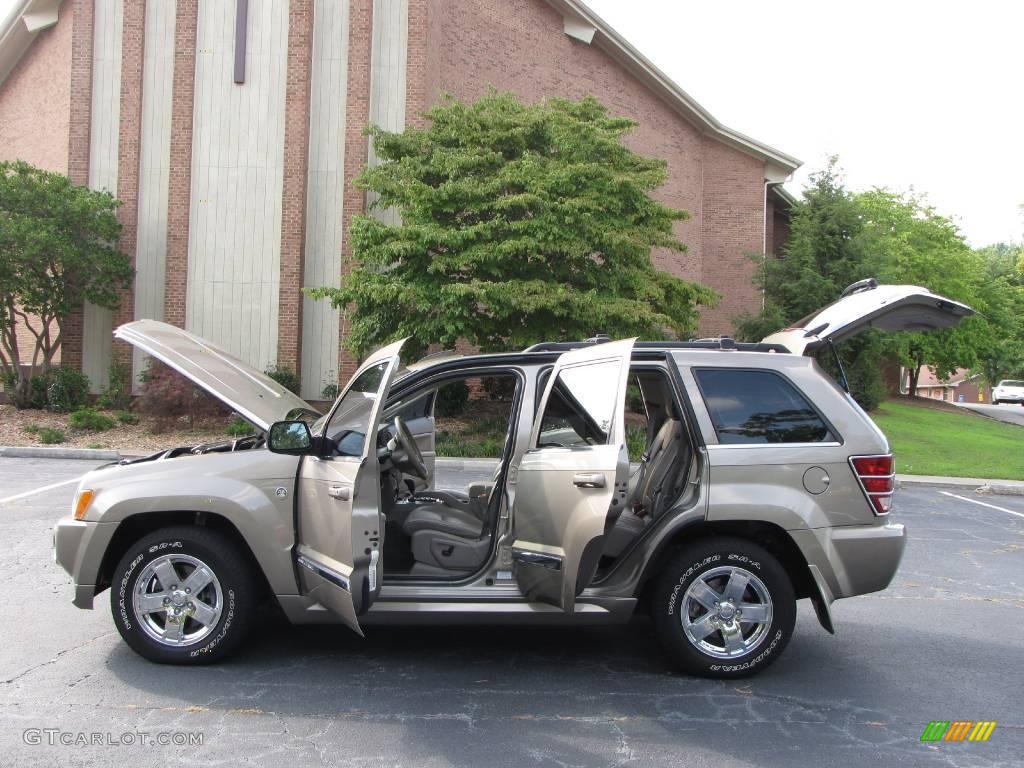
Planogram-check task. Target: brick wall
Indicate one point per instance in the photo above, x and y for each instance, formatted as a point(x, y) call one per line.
point(35, 99)
point(79, 122)
point(179, 187)
point(129, 140)
point(733, 231)
point(520, 46)
point(35, 105)
point(357, 116)
point(293, 203)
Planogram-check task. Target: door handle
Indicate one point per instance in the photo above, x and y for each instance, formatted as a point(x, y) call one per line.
point(588, 480)
point(340, 492)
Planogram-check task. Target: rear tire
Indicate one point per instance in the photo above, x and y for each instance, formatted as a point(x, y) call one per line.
point(723, 608)
point(202, 615)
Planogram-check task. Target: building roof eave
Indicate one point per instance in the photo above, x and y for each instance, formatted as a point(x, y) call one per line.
point(19, 28)
point(582, 23)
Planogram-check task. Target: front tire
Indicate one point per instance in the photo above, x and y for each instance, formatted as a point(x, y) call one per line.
point(183, 595)
point(723, 608)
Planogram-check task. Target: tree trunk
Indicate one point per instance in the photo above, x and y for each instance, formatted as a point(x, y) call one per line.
point(21, 395)
point(915, 374)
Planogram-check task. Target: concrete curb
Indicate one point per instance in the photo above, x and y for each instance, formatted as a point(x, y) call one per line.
point(969, 484)
point(88, 454)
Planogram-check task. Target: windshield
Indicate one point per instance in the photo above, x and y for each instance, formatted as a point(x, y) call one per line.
point(347, 428)
point(317, 426)
point(1011, 383)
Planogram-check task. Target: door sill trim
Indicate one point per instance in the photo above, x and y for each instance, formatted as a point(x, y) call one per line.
point(324, 572)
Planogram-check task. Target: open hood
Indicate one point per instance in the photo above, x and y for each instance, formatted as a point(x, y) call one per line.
point(866, 304)
point(254, 395)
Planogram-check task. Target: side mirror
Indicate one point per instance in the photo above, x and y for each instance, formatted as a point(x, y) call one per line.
point(289, 437)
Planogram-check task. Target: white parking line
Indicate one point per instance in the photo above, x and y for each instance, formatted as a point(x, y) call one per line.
point(982, 503)
point(33, 492)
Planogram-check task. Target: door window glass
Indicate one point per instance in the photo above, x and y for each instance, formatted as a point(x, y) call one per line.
point(347, 427)
point(752, 407)
point(581, 407)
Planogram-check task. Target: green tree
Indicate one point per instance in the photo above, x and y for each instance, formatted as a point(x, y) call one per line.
point(58, 248)
point(518, 223)
point(824, 254)
point(914, 244)
point(1001, 352)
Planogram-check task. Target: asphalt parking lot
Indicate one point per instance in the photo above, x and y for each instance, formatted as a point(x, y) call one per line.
point(945, 642)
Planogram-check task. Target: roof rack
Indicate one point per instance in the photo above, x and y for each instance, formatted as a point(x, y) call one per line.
point(724, 343)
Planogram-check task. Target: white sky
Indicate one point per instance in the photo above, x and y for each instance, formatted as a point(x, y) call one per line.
point(922, 94)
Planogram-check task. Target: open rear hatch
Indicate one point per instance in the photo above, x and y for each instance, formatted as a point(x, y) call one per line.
point(254, 395)
point(866, 304)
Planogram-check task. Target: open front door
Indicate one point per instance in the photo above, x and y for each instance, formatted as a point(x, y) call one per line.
point(572, 484)
point(340, 525)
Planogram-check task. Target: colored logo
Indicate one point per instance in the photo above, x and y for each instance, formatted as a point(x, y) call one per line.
point(958, 730)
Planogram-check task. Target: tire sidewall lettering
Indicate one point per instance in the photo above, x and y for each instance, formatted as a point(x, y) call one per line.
point(684, 576)
point(127, 585)
point(687, 576)
point(753, 662)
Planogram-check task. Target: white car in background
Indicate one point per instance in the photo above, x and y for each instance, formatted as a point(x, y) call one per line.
point(1008, 391)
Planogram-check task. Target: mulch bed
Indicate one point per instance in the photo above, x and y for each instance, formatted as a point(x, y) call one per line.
point(148, 436)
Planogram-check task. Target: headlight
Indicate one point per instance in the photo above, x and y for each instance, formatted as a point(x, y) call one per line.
point(82, 502)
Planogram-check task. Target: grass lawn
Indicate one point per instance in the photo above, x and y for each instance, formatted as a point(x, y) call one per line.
point(933, 442)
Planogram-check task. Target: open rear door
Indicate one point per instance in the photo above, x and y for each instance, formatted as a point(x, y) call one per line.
point(867, 304)
point(340, 525)
point(572, 484)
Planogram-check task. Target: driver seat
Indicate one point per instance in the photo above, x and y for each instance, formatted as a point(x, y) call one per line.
point(446, 539)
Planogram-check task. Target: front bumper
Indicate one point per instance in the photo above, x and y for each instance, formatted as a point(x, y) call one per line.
point(853, 559)
point(78, 548)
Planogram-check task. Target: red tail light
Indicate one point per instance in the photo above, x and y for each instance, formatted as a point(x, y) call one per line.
point(877, 479)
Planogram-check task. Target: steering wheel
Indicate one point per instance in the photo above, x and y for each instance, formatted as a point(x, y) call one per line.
point(407, 443)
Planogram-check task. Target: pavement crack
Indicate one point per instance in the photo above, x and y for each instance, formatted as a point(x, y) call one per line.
point(54, 660)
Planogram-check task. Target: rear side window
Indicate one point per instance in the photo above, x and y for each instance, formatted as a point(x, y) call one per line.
point(757, 407)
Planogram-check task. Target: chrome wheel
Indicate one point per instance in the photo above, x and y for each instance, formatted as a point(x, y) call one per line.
point(178, 600)
point(726, 612)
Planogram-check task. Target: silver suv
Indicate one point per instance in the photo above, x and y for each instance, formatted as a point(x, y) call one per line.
point(754, 481)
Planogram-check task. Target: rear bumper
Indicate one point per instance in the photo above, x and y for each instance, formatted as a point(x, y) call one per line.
point(1008, 398)
point(853, 560)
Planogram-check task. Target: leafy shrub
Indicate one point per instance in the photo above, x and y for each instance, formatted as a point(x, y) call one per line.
point(239, 428)
point(118, 394)
point(32, 429)
point(69, 390)
point(284, 376)
point(452, 399)
point(454, 445)
point(37, 390)
point(500, 388)
point(634, 397)
point(167, 395)
point(91, 420)
point(329, 392)
point(48, 436)
point(636, 440)
point(126, 417)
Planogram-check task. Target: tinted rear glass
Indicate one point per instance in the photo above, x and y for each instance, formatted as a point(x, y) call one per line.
point(757, 407)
